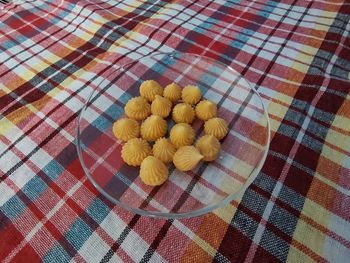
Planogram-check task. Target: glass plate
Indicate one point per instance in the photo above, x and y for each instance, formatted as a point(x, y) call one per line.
point(207, 187)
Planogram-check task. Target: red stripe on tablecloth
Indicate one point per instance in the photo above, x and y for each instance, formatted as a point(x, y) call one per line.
point(279, 233)
point(304, 152)
point(230, 238)
point(232, 249)
point(80, 63)
point(10, 236)
point(166, 226)
point(307, 219)
point(70, 119)
point(16, 23)
point(27, 254)
point(205, 40)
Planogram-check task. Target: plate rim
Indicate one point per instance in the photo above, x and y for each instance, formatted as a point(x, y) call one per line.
point(204, 210)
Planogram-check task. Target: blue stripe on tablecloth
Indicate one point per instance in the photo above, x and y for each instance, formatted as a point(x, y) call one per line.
point(34, 188)
point(57, 254)
point(98, 210)
point(279, 217)
point(53, 20)
point(241, 37)
point(53, 169)
point(13, 207)
point(78, 233)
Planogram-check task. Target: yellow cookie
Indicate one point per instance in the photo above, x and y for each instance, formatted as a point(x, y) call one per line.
point(164, 150)
point(206, 110)
point(137, 108)
point(153, 128)
point(161, 106)
point(181, 134)
point(149, 89)
point(217, 127)
point(126, 129)
point(135, 150)
point(191, 94)
point(209, 147)
point(153, 171)
point(183, 113)
point(186, 158)
point(172, 92)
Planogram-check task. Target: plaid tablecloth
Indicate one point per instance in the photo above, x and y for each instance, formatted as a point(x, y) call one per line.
point(297, 55)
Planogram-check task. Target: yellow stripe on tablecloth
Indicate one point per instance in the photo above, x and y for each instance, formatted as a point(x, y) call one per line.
point(204, 245)
point(69, 81)
point(287, 90)
point(226, 213)
point(128, 38)
point(296, 255)
point(5, 126)
point(310, 50)
point(229, 185)
point(29, 73)
point(33, 69)
point(8, 122)
point(133, 34)
point(312, 238)
point(306, 234)
point(295, 74)
point(15, 117)
point(307, 59)
point(286, 99)
point(333, 155)
point(342, 119)
point(278, 110)
point(4, 90)
point(240, 167)
point(342, 123)
point(87, 35)
point(133, 5)
point(338, 139)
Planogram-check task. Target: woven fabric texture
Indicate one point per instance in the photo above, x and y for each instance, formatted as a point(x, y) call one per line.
point(296, 53)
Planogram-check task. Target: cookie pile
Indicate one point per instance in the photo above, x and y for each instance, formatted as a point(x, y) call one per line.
point(151, 108)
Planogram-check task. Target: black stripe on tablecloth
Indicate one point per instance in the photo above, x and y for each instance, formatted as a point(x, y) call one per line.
point(185, 195)
point(168, 223)
point(270, 240)
point(61, 104)
point(53, 134)
point(70, 249)
point(224, 243)
point(90, 221)
point(70, 119)
point(136, 217)
point(66, 100)
point(46, 37)
point(94, 50)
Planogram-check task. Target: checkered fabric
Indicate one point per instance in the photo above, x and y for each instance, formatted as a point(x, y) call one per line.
point(297, 55)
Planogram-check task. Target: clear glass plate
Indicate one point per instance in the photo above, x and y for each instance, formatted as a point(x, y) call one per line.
point(185, 194)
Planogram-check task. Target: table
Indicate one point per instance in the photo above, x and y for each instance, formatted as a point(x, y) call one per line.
point(295, 53)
